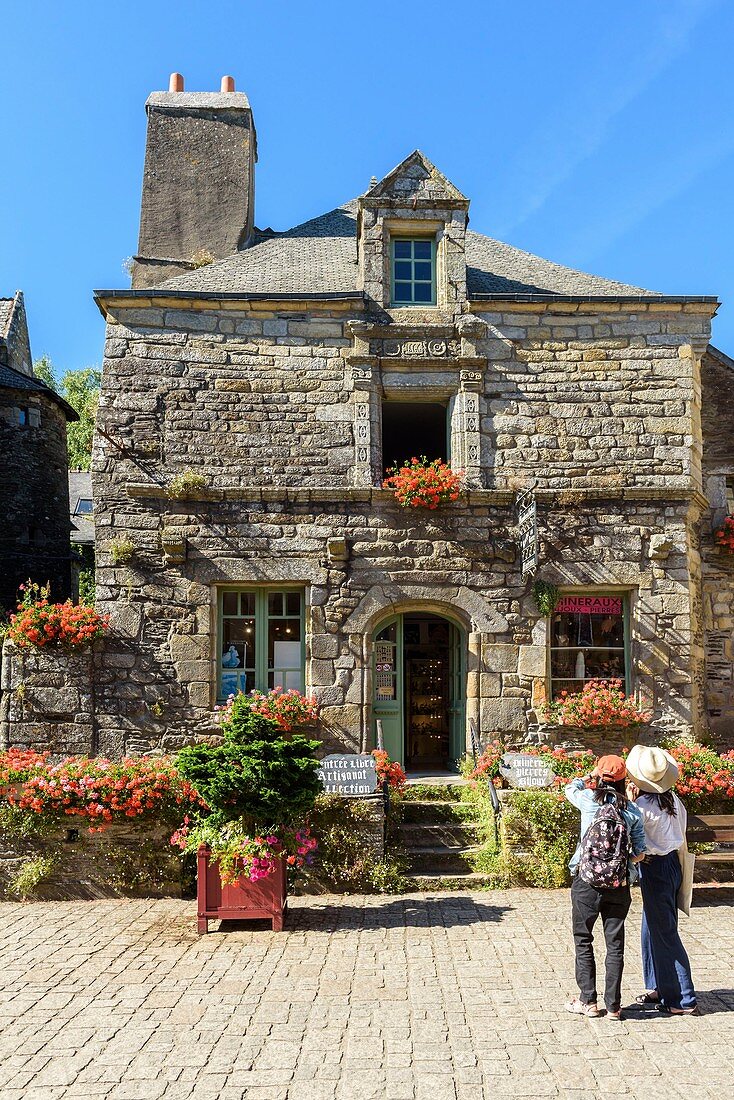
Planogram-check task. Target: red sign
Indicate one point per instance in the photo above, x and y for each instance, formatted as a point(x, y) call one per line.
point(590, 605)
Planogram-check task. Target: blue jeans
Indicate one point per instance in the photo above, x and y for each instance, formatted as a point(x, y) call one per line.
point(664, 960)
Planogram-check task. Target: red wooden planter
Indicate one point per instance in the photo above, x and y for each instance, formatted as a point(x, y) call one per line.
point(242, 900)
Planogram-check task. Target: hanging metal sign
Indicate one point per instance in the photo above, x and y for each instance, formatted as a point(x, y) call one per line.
point(527, 535)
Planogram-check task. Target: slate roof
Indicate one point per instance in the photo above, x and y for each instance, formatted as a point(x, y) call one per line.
point(13, 380)
point(320, 257)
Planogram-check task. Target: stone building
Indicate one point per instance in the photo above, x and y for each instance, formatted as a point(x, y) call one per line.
point(34, 497)
point(250, 405)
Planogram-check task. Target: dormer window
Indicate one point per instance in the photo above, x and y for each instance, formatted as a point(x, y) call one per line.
point(413, 271)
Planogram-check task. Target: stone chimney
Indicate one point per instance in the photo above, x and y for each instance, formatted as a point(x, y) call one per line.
point(199, 180)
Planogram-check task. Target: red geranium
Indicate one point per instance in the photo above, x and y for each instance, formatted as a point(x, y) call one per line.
point(41, 623)
point(724, 535)
point(423, 484)
point(389, 770)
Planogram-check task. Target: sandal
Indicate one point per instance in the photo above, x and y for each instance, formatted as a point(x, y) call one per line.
point(649, 997)
point(578, 1008)
point(615, 1015)
point(695, 1011)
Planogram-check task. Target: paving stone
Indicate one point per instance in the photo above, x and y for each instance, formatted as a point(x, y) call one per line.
point(475, 1009)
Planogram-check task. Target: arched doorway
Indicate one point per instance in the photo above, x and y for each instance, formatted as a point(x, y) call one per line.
point(419, 690)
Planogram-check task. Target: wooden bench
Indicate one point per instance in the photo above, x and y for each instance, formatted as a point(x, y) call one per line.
point(717, 829)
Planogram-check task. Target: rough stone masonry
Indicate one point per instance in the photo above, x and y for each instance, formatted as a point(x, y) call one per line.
point(262, 378)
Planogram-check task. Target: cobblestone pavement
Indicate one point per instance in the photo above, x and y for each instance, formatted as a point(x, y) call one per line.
point(424, 997)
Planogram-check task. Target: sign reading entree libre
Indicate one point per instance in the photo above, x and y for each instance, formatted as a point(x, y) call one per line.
point(524, 771)
point(353, 774)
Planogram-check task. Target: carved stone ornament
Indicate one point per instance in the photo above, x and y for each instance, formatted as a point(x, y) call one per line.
point(173, 543)
point(337, 550)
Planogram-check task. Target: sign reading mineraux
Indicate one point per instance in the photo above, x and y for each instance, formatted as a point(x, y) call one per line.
point(524, 771)
point(353, 774)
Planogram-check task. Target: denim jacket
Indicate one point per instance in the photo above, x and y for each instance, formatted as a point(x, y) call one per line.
point(583, 799)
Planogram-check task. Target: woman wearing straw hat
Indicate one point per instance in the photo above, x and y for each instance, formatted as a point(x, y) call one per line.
point(668, 983)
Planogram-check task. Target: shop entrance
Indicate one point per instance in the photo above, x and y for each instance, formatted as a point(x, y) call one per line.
point(418, 692)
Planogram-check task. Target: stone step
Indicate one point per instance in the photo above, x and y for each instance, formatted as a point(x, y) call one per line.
point(434, 812)
point(471, 880)
point(442, 859)
point(434, 834)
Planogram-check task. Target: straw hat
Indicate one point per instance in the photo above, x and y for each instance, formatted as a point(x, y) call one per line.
point(652, 770)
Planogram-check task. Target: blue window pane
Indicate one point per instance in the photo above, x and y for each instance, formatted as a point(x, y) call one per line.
point(402, 269)
point(422, 270)
point(402, 249)
point(422, 250)
point(403, 292)
point(423, 292)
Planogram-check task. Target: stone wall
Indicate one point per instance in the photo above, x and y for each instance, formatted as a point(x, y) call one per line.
point(599, 407)
point(34, 495)
point(718, 566)
point(47, 700)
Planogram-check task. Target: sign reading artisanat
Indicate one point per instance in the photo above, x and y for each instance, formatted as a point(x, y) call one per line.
point(353, 774)
point(525, 771)
point(590, 605)
point(527, 532)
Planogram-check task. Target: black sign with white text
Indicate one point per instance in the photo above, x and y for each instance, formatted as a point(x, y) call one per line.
point(353, 774)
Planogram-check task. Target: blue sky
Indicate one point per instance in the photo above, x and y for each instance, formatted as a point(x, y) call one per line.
point(598, 135)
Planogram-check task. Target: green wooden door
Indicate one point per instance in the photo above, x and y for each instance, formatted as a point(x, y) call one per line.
point(387, 692)
point(457, 709)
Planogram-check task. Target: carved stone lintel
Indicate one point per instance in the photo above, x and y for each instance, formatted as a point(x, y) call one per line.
point(363, 374)
point(471, 379)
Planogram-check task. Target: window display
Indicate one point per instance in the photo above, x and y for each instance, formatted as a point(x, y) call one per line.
point(587, 641)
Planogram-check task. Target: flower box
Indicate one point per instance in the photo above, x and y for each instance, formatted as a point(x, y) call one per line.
point(241, 900)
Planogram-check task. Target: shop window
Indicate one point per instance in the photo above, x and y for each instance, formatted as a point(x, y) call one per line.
point(413, 429)
point(260, 640)
point(588, 641)
point(413, 264)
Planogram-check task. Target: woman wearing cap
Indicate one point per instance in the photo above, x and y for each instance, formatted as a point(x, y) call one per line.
point(653, 774)
point(606, 784)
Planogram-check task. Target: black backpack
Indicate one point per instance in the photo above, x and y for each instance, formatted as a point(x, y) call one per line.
point(605, 849)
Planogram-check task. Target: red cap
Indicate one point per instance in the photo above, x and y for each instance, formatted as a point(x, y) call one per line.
point(610, 768)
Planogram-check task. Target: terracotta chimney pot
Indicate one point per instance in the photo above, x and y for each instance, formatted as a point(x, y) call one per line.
point(228, 84)
point(176, 83)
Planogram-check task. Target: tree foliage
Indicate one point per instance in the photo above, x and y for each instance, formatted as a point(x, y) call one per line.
point(81, 389)
point(258, 774)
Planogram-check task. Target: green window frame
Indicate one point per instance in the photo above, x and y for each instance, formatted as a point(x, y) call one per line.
point(602, 640)
point(260, 639)
point(413, 271)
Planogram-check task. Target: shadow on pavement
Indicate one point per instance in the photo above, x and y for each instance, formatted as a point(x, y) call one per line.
point(429, 912)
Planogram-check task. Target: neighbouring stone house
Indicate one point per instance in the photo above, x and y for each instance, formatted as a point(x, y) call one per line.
point(250, 406)
point(34, 498)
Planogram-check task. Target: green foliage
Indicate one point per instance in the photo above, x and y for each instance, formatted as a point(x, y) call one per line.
point(345, 861)
point(32, 873)
point(431, 792)
point(186, 485)
point(546, 597)
point(24, 824)
point(87, 586)
point(259, 774)
point(81, 389)
point(43, 369)
point(537, 837)
point(121, 550)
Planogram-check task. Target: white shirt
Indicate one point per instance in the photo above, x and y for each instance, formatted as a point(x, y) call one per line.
point(664, 832)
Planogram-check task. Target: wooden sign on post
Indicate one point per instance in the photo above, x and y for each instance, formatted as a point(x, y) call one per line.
point(351, 774)
point(524, 771)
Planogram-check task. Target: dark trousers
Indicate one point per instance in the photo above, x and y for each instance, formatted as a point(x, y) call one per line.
point(587, 904)
point(664, 959)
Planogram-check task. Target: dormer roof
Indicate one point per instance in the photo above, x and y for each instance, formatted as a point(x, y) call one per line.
point(415, 182)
